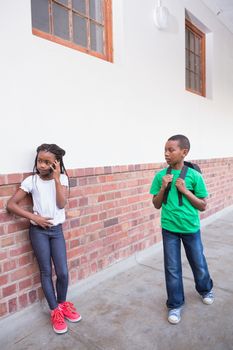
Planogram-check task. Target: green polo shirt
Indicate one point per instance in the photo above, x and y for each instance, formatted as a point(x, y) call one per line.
point(184, 218)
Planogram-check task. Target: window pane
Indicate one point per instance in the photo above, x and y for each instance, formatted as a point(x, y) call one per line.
point(40, 15)
point(197, 65)
point(187, 79)
point(60, 22)
point(96, 10)
point(191, 44)
point(187, 64)
point(192, 81)
point(80, 6)
point(79, 30)
point(192, 62)
point(197, 45)
point(97, 38)
point(198, 85)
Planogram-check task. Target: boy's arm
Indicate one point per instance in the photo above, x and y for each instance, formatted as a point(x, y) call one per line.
point(158, 198)
point(199, 203)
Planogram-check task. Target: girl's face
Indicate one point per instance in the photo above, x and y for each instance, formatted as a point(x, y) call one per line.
point(44, 162)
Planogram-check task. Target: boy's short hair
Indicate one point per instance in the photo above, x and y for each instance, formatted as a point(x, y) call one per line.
point(183, 141)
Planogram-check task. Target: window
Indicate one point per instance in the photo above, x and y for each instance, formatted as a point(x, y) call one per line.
point(195, 59)
point(84, 25)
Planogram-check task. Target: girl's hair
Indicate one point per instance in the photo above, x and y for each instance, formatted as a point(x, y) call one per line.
point(56, 150)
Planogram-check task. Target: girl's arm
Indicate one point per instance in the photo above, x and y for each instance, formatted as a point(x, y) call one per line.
point(13, 206)
point(61, 194)
point(61, 191)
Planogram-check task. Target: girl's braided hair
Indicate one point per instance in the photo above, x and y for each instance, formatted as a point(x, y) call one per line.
point(56, 150)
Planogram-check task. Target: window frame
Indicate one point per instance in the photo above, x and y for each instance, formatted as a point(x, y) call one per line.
point(107, 33)
point(201, 35)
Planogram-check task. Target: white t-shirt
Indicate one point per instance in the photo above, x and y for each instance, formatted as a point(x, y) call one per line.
point(44, 197)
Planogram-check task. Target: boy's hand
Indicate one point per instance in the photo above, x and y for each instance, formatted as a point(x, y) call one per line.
point(166, 180)
point(180, 185)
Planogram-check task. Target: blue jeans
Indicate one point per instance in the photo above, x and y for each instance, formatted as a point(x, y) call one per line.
point(173, 266)
point(49, 244)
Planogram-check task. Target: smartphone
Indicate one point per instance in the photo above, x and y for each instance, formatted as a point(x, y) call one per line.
point(52, 168)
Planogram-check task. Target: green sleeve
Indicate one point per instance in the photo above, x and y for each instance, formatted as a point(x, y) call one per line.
point(156, 184)
point(200, 189)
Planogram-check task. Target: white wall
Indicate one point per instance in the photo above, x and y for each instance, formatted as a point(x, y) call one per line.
point(110, 114)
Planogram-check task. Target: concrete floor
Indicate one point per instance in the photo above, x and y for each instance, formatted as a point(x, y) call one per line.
point(123, 307)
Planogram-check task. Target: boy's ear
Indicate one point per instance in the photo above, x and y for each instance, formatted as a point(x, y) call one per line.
point(185, 152)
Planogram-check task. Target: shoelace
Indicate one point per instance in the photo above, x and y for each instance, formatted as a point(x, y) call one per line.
point(69, 306)
point(209, 295)
point(57, 317)
point(175, 312)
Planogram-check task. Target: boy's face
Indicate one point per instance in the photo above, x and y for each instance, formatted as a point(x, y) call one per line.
point(174, 155)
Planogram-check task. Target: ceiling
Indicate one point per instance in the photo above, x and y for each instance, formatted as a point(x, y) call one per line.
point(223, 9)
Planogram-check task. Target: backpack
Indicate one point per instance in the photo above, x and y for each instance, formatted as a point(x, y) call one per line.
point(182, 176)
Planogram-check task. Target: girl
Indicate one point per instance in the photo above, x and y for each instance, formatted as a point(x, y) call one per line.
point(48, 187)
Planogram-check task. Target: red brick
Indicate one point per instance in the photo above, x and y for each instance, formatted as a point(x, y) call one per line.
point(83, 201)
point(9, 265)
point(9, 290)
point(74, 243)
point(3, 309)
point(22, 272)
point(25, 260)
point(3, 280)
point(94, 267)
point(74, 263)
point(7, 191)
point(27, 283)
point(7, 241)
point(12, 304)
point(110, 222)
point(94, 227)
point(25, 248)
point(21, 237)
point(3, 255)
point(32, 296)
point(14, 178)
point(36, 279)
point(17, 226)
point(23, 300)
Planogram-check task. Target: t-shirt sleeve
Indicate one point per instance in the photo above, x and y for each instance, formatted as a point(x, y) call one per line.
point(26, 184)
point(156, 184)
point(64, 180)
point(200, 189)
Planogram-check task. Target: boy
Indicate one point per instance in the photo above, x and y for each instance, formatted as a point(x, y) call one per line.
point(180, 222)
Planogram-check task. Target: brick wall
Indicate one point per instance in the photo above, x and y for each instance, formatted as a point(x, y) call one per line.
point(109, 217)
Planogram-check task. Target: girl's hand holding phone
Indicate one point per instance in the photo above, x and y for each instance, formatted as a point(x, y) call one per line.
point(55, 170)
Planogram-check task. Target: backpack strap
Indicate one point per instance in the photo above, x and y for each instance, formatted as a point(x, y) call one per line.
point(169, 171)
point(182, 176)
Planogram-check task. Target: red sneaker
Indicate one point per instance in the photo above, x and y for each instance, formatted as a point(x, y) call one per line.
point(69, 312)
point(57, 320)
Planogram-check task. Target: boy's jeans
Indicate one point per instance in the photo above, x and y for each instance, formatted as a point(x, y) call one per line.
point(173, 266)
point(50, 244)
